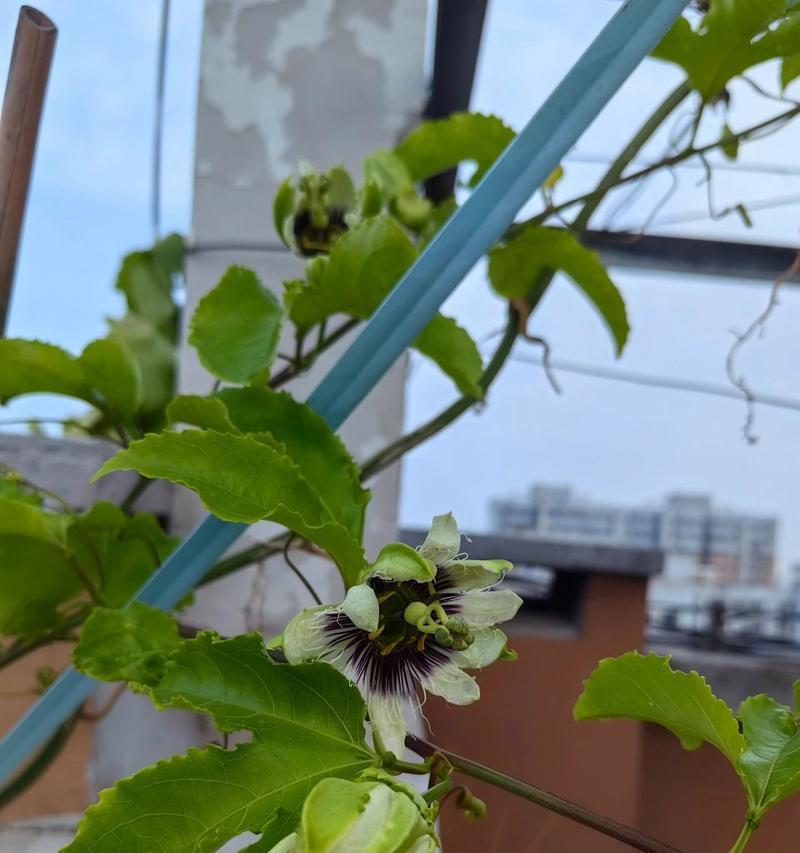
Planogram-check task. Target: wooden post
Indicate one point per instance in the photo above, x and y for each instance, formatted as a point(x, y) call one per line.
point(19, 127)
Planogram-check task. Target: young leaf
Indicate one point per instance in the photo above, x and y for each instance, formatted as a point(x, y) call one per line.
point(126, 645)
point(323, 459)
point(364, 264)
point(111, 369)
point(202, 412)
point(770, 764)
point(452, 348)
point(236, 327)
point(645, 687)
point(147, 287)
point(240, 478)
point(515, 266)
point(437, 146)
point(307, 723)
point(283, 209)
point(33, 367)
point(363, 267)
point(734, 36)
point(155, 355)
point(169, 253)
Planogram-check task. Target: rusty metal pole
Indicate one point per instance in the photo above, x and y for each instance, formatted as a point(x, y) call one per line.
point(34, 42)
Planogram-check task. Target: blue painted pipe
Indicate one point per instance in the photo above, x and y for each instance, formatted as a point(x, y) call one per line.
point(630, 35)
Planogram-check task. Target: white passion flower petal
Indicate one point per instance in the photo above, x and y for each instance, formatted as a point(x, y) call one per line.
point(443, 542)
point(361, 606)
point(463, 575)
point(399, 562)
point(483, 609)
point(386, 716)
point(486, 648)
point(452, 684)
point(304, 637)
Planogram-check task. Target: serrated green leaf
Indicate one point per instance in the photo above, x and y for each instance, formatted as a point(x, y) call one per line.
point(126, 645)
point(240, 478)
point(283, 209)
point(155, 355)
point(33, 367)
point(307, 723)
point(452, 348)
point(147, 287)
point(770, 763)
point(202, 412)
point(388, 173)
point(515, 267)
point(323, 459)
point(734, 36)
point(646, 688)
point(440, 145)
point(236, 327)
point(112, 370)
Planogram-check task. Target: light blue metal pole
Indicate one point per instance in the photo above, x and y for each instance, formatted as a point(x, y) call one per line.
point(631, 34)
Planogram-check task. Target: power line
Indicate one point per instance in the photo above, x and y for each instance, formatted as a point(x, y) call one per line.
point(666, 382)
point(161, 73)
point(755, 168)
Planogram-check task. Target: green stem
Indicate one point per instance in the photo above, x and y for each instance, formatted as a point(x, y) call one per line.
point(742, 840)
point(438, 790)
point(579, 814)
point(139, 488)
point(244, 558)
point(306, 361)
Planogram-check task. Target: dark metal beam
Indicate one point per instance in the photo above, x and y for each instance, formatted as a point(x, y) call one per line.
point(717, 258)
point(459, 26)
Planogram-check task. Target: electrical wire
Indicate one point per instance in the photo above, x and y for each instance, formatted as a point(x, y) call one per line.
point(158, 123)
point(754, 168)
point(665, 382)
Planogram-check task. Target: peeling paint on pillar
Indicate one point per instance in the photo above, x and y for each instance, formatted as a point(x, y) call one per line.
point(325, 81)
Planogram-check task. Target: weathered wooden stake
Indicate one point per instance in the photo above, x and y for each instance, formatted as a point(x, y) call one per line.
point(28, 73)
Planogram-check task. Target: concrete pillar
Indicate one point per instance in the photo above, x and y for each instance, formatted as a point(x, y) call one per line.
point(280, 81)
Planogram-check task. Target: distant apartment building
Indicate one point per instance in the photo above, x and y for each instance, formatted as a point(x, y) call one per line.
point(703, 544)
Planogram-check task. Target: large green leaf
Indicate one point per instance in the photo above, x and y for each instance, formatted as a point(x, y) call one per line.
point(240, 478)
point(515, 267)
point(452, 348)
point(645, 687)
point(33, 367)
point(112, 370)
point(307, 723)
point(155, 355)
point(126, 645)
point(734, 36)
point(236, 327)
point(439, 145)
point(770, 764)
point(312, 445)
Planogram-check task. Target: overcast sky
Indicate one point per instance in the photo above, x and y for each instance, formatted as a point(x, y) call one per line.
point(624, 444)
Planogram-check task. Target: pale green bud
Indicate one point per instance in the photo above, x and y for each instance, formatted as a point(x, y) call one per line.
point(360, 817)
